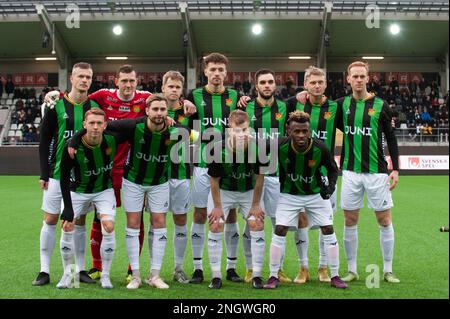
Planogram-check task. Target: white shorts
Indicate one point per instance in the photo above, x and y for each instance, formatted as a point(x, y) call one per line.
point(318, 210)
point(158, 197)
point(230, 199)
point(201, 186)
point(52, 201)
point(271, 194)
point(354, 185)
point(105, 203)
point(180, 196)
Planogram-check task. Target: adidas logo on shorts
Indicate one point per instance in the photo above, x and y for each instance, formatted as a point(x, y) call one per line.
point(162, 238)
point(195, 235)
point(181, 235)
point(260, 239)
point(212, 240)
point(109, 250)
point(166, 204)
point(236, 235)
point(65, 248)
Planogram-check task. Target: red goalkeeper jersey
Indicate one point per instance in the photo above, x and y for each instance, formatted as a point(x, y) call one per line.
point(117, 109)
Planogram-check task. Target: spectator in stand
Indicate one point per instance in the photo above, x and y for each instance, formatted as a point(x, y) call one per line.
point(427, 132)
point(30, 136)
point(21, 116)
point(426, 118)
point(238, 85)
point(417, 117)
point(19, 104)
point(246, 86)
point(158, 85)
point(9, 86)
point(410, 118)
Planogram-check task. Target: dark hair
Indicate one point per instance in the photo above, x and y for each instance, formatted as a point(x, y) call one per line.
point(299, 117)
point(126, 68)
point(262, 72)
point(214, 57)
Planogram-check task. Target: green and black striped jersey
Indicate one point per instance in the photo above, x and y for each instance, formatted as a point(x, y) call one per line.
point(300, 172)
point(325, 119)
point(182, 169)
point(364, 123)
point(270, 119)
point(269, 122)
point(90, 171)
point(58, 125)
point(236, 170)
point(213, 110)
point(148, 160)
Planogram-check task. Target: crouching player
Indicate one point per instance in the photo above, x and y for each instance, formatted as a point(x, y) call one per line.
point(90, 185)
point(300, 159)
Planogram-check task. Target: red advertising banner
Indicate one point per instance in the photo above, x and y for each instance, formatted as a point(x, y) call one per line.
point(279, 78)
point(99, 77)
point(28, 79)
point(389, 76)
point(18, 79)
point(415, 77)
point(375, 77)
point(292, 76)
point(403, 78)
point(41, 79)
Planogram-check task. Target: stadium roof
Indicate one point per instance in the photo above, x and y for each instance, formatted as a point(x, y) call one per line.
point(154, 29)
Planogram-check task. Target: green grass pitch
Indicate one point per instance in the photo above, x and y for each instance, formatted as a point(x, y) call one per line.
point(421, 258)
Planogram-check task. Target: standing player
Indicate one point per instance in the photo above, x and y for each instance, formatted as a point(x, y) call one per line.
point(267, 116)
point(91, 185)
point(364, 168)
point(122, 103)
point(300, 159)
point(235, 181)
point(146, 177)
point(325, 115)
point(214, 103)
point(59, 124)
point(179, 174)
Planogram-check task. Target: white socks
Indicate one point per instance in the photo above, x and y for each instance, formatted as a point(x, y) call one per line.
point(323, 261)
point(231, 233)
point(47, 244)
point(198, 240)
point(179, 243)
point(79, 240)
point(247, 247)
point(387, 246)
point(351, 246)
point(67, 250)
point(332, 250)
point(258, 247)
point(107, 249)
point(215, 253)
point(302, 242)
point(158, 249)
point(276, 253)
point(132, 243)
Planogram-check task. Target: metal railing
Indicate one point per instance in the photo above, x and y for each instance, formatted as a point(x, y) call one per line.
point(412, 136)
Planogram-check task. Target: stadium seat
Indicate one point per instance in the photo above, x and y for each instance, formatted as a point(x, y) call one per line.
point(13, 127)
point(19, 126)
point(19, 133)
point(9, 102)
point(4, 96)
point(11, 95)
point(403, 126)
point(11, 133)
point(37, 120)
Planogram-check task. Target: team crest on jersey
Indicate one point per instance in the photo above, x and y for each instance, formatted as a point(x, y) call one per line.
point(142, 141)
point(110, 107)
point(108, 151)
point(168, 142)
point(311, 163)
point(371, 112)
point(229, 102)
point(65, 116)
point(136, 109)
point(181, 118)
point(327, 115)
point(278, 116)
point(203, 103)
